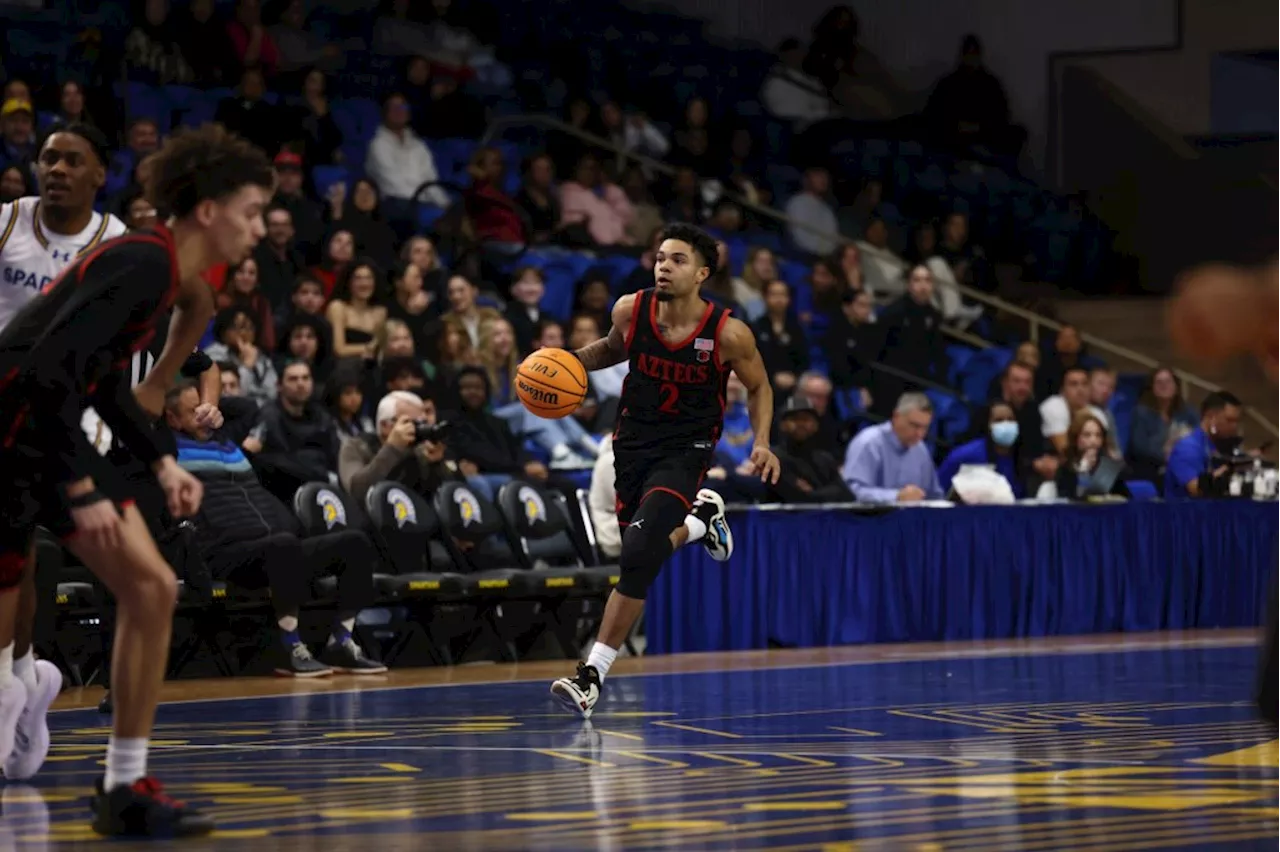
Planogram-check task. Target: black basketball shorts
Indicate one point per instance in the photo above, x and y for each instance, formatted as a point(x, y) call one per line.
point(639, 474)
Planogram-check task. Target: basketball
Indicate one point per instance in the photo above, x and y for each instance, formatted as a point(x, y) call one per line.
point(551, 383)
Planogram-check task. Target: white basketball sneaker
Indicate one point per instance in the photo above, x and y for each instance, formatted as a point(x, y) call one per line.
point(580, 692)
point(31, 740)
point(709, 508)
point(13, 700)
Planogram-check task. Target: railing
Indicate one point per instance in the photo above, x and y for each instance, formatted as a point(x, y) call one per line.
point(1035, 322)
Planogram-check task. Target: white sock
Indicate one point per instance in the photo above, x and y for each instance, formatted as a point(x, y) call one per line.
point(126, 761)
point(24, 669)
point(6, 665)
point(602, 657)
point(696, 526)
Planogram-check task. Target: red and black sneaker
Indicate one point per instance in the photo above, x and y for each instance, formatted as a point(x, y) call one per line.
point(143, 810)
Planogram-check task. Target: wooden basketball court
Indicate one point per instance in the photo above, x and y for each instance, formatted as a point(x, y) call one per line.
point(1101, 743)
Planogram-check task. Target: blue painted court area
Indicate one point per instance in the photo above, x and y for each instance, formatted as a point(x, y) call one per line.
point(1105, 751)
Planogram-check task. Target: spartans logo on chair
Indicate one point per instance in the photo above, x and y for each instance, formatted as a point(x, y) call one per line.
point(468, 507)
point(331, 509)
point(401, 508)
point(534, 509)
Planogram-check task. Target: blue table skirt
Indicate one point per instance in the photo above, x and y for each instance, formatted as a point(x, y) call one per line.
point(832, 577)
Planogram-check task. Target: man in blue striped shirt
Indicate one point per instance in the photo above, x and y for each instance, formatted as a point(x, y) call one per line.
point(889, 462)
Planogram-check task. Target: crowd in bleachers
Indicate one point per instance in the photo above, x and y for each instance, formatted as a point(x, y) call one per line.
point(409, 265)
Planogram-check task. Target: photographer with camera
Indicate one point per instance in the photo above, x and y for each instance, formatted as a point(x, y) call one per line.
point(409, 449)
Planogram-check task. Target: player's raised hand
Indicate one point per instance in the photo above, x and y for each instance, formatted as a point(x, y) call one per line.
point(765, 463)
point(208, 414)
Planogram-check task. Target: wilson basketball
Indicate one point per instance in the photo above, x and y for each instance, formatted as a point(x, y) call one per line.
point(551, 383)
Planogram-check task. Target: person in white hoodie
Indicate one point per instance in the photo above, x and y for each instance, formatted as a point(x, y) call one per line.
point(398, 161)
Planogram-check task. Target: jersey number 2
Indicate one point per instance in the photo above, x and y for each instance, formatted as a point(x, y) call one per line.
point(670, 397)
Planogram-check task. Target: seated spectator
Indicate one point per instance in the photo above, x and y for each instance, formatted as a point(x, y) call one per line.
point(911, 340)
point(250, 539)
point(996, 448)
point(853, 344)
point(602, 502)
point(883, 270)
point(791, 94)
point(452, 352)
point(1058, 412)
point(251, 44)
point(295, 441)
point(205, 45)
point(344, 400)
point(305, 338)
point(828, 285)
point(889, 463)
point(748, 289)
point(731, 472)
point(633, 133)
point(1088, 470)
point(1028, 355)
point(463, 310)
point(151, 49)
point(1037, 458)
point(488, 453)
point(646, 215)
point(248, 115)
point(278, 259)
point(395, 453)
point(694, 146)
point(591, 296)
point(234, 333)
point(968, 107)
point(495, 216)
point(1102, 386)
point(421, 252)
point(411, 305)
point(1067, 353)
point(1159, 407)
point(241, 290)
point(1196, 467)
point(539, 199)
point(547, 334)
point(354, 313)
point(590, 199)
point(523, 311)
point(812, 223)
point(718, 287)
point(967, 262)
point(399, 161)
point(299, 47)
point(17, 133)
point(16, 181)
point(308, 221)
point(686, 203)
point(781, 341)
point(361, 215)
point(318, 136)
point(818, 390)
point(307, 300)
point(340, 251)
point(810, 474)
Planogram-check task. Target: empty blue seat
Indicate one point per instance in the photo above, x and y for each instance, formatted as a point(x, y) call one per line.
point(949, 414)
point(1141, 489)
point(957, 356)
point(985, 365)
point(145, 101)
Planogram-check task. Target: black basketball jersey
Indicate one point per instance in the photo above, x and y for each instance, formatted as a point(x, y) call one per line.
point(674, 396)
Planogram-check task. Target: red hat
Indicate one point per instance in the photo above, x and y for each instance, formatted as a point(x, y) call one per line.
point(288, 158)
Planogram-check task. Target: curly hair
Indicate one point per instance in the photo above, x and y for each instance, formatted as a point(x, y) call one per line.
point(207, 163)
point(702, 242)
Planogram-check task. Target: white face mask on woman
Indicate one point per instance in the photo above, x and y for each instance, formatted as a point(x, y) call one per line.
point(1004, 433)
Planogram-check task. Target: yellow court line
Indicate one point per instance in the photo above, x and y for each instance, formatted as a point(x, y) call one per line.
point(619, 734)
point(825, 764)
point(691, 728)
point(857, 731)
point(575, 758)
point(674, 764)
point(750, 764)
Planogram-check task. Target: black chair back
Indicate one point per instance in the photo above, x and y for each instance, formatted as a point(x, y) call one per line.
point(406, 528)
point(322, 508)
point(464, 514)
point(538, 524)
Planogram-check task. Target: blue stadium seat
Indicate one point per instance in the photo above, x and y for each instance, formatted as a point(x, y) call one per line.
point(620, 266)
point(1141, 489)
point(985, 365)
point(957, 356)
point(848, 403)
point(950, 414)
point(145, 101)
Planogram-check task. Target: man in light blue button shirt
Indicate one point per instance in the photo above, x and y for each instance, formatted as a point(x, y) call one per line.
point(889, 463)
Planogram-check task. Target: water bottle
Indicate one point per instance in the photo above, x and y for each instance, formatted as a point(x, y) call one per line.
point(1259, 481)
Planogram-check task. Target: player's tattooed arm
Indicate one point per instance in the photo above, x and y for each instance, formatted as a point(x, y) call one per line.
point(611, 349)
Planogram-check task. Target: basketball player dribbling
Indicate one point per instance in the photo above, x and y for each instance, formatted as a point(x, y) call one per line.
point(68, 349)
point(681, 350)
point(1222, 312)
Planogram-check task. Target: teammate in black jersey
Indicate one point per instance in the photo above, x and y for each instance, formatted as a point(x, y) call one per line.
point(68, 349)
point(682, 349)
